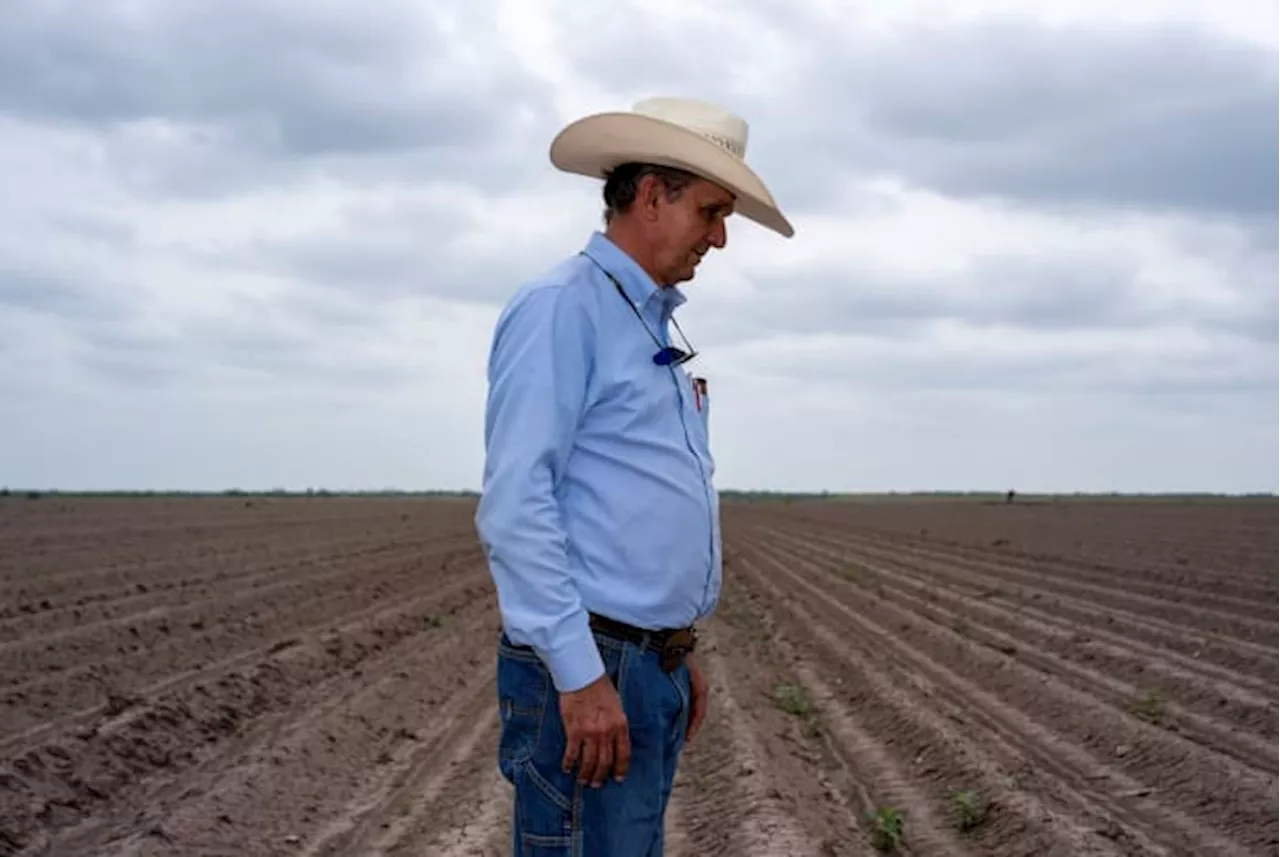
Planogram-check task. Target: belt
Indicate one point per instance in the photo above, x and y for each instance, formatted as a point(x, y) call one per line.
point(672, 644)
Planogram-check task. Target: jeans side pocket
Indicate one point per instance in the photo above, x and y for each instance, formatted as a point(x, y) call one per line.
point(548, 811)
point(524, 689)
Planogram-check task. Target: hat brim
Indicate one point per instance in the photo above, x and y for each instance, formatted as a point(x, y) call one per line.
point(594, 145)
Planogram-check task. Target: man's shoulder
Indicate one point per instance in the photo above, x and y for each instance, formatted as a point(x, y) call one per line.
point(566, 283)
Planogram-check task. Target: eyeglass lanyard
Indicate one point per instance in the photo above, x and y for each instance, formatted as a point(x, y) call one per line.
point(661, 348)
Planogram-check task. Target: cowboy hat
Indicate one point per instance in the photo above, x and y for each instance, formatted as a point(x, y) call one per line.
point(686, 133)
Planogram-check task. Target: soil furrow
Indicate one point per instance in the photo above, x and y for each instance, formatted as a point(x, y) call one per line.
point(114, 682)
point(440, 793)
point(738, 791)
point(1245, 689)
point(142, 645)
point(168, 735)
point(1145, 701)
point(865, 761)
point(40, 654)
point(65, 566)
point(1258, 662)
point(302, 769)
point(1209, 794)
point(1235, 597)
point(944, 744)
point(1225, 541)
point(200, 531)
point(170, 585)
point(1249, 605)
point(486, 832)
point(1217, 717)
point(1226, 627)
point(675, 833)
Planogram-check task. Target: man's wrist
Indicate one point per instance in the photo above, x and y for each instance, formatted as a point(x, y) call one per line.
point(574, 661)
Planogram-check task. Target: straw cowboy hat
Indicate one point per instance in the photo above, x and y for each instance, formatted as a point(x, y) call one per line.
point(686, 133)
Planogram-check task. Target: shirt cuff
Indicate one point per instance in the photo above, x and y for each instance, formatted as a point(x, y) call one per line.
point(574, 661)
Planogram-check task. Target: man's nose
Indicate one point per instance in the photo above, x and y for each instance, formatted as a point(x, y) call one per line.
point(718, 236)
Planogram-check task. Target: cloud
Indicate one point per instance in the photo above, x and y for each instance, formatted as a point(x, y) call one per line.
point(1155, 118)
point(435, 241)
point(196, 98)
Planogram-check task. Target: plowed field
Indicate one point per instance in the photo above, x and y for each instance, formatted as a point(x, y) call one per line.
point(314, 676)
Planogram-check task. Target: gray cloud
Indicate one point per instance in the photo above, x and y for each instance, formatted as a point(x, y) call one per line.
point(1021, 292)
point(52, 295)
point(33, 280)
point(1214, 369)
point(303, 341)
point(199, 97)
point(383, 252)
point(1161, 118)
point(1052, 293)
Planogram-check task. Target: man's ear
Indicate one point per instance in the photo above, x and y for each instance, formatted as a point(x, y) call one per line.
point(650, 193)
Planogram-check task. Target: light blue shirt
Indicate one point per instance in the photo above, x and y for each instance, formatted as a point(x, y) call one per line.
point(598, 492)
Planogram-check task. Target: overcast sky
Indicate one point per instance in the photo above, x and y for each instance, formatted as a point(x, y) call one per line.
point(258, 243)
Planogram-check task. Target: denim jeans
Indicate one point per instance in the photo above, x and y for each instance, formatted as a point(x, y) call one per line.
point(555, 816)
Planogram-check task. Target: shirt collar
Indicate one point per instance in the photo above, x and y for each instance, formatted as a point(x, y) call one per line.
point(636, 282)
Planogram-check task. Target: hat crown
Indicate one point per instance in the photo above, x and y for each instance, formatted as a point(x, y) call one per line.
point(716, 124)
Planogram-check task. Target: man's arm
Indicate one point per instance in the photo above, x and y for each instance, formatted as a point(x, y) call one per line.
point(539, 367)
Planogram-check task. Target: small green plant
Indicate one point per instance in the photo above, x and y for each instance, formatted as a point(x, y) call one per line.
point(885, 825)
point(968, 809)
point(792, 699)
point(1151, 706)
point(851, 573)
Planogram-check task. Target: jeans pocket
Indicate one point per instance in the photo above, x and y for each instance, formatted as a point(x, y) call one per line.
point(549, 811)
point(524, 694)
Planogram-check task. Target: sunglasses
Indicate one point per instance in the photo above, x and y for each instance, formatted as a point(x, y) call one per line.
point(670, 355)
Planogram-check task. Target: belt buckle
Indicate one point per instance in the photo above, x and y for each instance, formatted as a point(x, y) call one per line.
point(676, 647)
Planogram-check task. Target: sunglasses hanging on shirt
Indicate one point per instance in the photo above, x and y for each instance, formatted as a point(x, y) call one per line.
point(668, 355)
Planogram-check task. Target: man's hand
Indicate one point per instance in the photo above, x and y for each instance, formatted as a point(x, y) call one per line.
point(599, 737)
point(698, 693)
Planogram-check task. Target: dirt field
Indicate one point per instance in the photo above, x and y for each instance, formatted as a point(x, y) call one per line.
point(315, 677)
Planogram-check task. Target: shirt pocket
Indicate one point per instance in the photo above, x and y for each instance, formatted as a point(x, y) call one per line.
point(697, 415)
point(704, 402)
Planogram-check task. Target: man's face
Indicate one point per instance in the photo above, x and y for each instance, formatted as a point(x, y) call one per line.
point(686, 228)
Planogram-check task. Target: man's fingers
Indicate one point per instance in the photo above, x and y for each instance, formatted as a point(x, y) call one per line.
point(604, 760)
point(697, 710)
point(572, 752)
point(587, 762)
point(622, 762)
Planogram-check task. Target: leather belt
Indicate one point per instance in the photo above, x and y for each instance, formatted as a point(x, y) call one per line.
point(671, 644)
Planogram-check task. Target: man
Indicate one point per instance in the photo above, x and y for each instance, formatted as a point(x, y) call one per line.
point(598, 513)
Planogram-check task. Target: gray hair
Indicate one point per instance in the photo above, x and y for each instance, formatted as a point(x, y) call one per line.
point(622, 183)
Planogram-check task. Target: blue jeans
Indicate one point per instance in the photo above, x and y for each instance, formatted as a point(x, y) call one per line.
point(555, 816)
